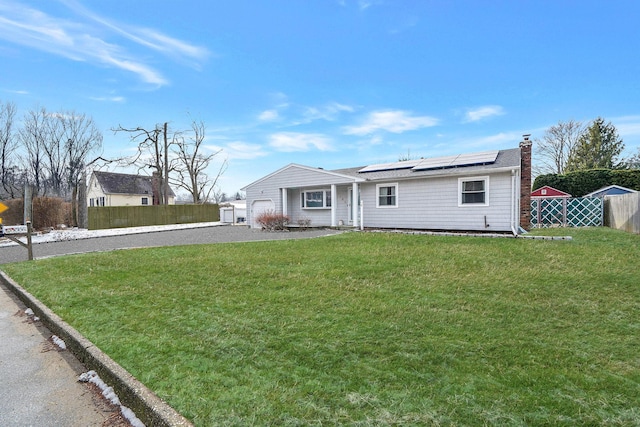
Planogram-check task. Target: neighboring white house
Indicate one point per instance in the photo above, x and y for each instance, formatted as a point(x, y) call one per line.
point(488, 191)
point(117, 189)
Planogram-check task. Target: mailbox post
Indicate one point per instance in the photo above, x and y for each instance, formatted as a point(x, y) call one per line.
point(13, 231)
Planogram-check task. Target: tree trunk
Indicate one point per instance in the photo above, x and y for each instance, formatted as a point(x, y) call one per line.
point(166, 167)
point(83, 210)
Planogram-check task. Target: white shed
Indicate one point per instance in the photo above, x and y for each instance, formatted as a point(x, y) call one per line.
point(234, 212)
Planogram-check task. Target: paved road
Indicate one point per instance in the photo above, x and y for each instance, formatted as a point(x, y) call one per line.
point(214, 234)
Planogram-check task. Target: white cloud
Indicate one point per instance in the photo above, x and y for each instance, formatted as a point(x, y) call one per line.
point(17, 92)
point(484, 112)
point(83, 41)
point(294, 141)
point(147, 37)
point(109, 98)
point(327, 112)
point(366, 4)
point(239, 150)
point(395, 121)
point(627, 125)
point(268, 116)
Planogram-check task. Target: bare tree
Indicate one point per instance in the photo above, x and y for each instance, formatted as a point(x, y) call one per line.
point(82, 139)
point(8, 144)
point(191, 165)
point(633, 162)
point(219, 196)
point(152, 153)
point(53, 144)
point(33, 136)
point(556, 145)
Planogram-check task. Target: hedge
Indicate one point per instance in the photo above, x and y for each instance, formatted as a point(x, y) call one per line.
point(584, 182)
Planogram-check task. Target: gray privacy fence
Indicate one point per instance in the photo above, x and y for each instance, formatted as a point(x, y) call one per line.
point(567, 212)
point(623, 212)
point(136, 216)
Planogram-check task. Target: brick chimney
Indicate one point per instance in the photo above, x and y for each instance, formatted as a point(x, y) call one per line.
point(525, 182)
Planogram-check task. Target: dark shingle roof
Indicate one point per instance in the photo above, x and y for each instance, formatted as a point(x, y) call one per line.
point(120, 183)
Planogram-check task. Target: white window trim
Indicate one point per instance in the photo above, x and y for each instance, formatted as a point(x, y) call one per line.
point(392, 184)
point(325, 192)
point(486, 191)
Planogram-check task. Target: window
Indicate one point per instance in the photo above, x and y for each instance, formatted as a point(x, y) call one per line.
point(474, 191)
point(100, 201)
point(91, 202)
point(145, 200)
point(387, 195)
point(316, 199)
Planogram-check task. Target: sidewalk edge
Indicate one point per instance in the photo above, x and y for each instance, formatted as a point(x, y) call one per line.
point(148, 407)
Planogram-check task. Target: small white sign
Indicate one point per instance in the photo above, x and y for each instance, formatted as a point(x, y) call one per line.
point(14, 229)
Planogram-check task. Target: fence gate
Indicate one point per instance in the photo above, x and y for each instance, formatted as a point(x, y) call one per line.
point(564, 212)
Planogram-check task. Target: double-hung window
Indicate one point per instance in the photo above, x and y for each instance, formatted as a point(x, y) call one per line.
point(316, 199)
point(473, 191)
point(387, 195)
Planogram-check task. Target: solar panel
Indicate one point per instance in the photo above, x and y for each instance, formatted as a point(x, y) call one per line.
point(407, 164)
point(435, 163)
point(459, 160)
point(476, 158)
point(443, 162)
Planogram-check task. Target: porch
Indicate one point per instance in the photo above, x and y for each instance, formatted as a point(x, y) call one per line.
point(334, 205)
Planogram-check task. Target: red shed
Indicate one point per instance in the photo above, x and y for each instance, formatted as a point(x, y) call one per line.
point(547, 192)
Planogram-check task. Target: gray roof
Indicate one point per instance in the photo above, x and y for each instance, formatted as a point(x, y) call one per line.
point(120, 183)
point(506, 159)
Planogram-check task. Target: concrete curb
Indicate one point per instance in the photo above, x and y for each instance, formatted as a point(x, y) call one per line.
point(148, 407)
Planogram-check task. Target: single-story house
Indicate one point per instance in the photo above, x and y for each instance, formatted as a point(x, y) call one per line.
point(611, 190)
point(118, 189)
point(548, 192)
point(488, 192)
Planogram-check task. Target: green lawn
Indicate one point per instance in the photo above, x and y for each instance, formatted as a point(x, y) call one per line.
point(368, 328)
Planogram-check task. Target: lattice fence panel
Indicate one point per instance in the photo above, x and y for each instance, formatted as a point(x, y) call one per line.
point(585, 212)
point(561, 212)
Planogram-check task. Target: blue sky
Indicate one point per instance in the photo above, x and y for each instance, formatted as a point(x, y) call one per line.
point(327, 83)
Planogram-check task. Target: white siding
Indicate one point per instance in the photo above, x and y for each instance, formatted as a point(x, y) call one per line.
point(433, 205)
point(427, 203)
point(297, 179)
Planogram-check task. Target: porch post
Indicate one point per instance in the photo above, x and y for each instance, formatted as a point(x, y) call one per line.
point(334, 202)
point(284, 201)
point(354, 205)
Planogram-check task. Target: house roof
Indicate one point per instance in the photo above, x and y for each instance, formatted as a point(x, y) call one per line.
point(548, 192)
point(335, 173)
point(120, 183)
point(502, 159)
point(610, 190)
point(476, 163)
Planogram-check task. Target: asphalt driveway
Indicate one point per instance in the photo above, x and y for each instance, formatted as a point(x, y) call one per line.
point(189, 236)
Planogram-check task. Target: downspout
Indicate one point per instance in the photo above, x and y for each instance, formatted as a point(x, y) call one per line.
point(514, 199)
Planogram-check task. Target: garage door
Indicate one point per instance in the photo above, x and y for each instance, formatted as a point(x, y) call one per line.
point(258, 207)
